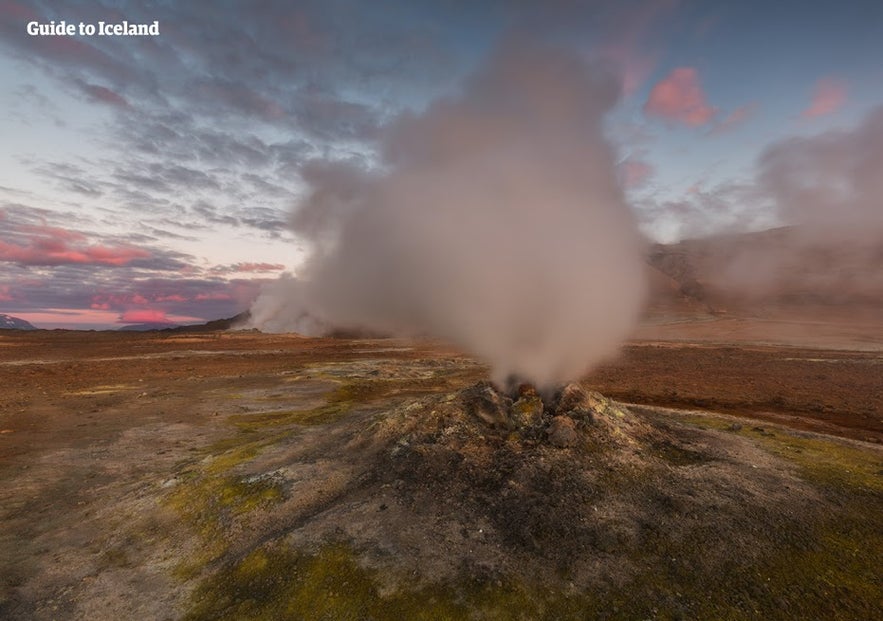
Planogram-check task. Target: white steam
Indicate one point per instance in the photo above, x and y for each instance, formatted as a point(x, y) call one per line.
point(828, 190)
point(831, 184)
point(497, 223)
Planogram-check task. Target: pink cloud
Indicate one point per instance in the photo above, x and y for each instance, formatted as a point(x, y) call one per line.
point(5, 295)
point(144, 315)
point(635, 173)
point(828, 96)
point(47, 245)
point(171, 298)
point(68, 318)
point(679, 98)
point(734, 118)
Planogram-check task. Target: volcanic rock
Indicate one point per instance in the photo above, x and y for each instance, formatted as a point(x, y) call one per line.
point(488, 404)
point(562, 432)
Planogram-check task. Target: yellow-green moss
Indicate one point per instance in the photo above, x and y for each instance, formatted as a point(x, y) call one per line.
point(210, 504)
point(820, 566)
point(834, 463)
point(278, 583)
point(829, 461)
point(274, 583)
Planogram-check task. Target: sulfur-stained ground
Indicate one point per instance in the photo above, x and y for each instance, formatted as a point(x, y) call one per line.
point(241, 475)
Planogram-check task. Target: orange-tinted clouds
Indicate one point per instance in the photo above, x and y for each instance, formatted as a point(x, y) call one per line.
point(54, 246)
point(828, 96)
point(146, 315)
point(51, 252)
point(679, 98)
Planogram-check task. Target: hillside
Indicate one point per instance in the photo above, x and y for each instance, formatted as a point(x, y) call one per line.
point(783, 270)
point(8, 322)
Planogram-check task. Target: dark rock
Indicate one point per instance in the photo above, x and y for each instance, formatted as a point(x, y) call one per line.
point(562, 432)
point(488, 404)
point(570, 397)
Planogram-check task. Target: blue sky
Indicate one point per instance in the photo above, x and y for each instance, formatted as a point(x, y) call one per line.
point(153, 177)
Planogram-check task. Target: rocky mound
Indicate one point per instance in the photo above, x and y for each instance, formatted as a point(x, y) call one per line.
point(498, 488)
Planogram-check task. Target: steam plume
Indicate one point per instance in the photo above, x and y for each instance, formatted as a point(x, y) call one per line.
point(496, 223)
point(830, 184)
point(827, 189)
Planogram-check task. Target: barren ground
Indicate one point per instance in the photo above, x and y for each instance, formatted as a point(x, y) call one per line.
point(240, 475)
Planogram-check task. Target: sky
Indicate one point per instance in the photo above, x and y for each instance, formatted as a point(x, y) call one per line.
point(153, 178)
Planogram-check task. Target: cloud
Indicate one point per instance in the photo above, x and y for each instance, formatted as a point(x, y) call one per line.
point(734, 118)
point(822, 193)
point(829, 95)
point(51, 267)
point(728, 207)
point(826, 190)
point(635, 173)
point(831, 183)
point(147, 315)
point(103, 94)
point(248, 267)
point(51, 246)
point(679, 98)
point(214, 295)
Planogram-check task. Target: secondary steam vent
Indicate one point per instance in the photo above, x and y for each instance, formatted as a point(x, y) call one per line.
point(496, 221)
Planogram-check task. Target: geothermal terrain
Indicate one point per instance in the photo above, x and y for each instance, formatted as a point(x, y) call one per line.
point(727, 465)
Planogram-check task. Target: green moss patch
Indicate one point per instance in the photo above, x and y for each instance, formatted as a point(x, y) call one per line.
point(676, 558)
point(274, 583)
point(824, 578)
point(826, 461)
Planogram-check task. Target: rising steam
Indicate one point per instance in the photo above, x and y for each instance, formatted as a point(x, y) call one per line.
point(496, 222)
point(827, 190)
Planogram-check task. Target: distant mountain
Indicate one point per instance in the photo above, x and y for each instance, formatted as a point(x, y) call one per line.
point(8, 322)
point(147, 327)
point(210, 326)
point(217, 324)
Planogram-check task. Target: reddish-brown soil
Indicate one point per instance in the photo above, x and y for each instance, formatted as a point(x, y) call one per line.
point(48, 378)
point(830, 391)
